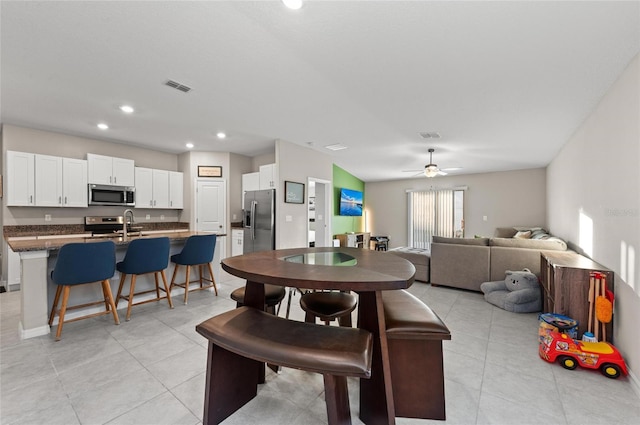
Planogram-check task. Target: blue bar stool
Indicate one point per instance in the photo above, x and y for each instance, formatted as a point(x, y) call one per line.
point(81, 263)
point(197, 251)
point(144, 256)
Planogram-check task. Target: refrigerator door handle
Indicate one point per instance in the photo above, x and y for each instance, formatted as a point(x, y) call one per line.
point(254, 204)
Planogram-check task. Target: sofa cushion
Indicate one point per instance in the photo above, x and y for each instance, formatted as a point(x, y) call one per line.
point(462, 241)
point(505, 232)
point(551, 243)
point(419, 257)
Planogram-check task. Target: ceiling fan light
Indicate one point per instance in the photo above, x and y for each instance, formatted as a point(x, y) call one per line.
point(431, 170)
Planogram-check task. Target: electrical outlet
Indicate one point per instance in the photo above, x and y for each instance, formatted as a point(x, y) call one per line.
point(47, 217)
point(148, 217)
point(484, 218)
point(162, 217)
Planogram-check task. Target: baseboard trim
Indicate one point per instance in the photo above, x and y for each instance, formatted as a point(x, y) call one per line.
point(32, 333)
point(635, 382)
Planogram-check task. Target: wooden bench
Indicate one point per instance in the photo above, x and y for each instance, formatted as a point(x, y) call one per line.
point(242, 339)
point(415, 334)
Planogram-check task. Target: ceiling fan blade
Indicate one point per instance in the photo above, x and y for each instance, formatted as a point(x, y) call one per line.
point(441, 173)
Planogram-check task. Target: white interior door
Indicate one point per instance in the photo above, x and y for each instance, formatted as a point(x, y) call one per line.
point(210, 206)
point(322, 213)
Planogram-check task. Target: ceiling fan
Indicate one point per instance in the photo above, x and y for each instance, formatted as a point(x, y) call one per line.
point(431, 169)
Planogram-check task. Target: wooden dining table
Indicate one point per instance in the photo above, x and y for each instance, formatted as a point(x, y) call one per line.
point(363, 271)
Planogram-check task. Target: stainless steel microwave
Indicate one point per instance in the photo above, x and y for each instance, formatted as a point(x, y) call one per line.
point(100, 194)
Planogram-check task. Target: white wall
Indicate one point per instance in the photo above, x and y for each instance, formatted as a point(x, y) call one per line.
point(597, 176)
point(510, 198)
point(296, 163)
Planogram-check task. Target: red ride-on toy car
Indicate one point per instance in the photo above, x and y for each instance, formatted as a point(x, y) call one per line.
point(571, 353)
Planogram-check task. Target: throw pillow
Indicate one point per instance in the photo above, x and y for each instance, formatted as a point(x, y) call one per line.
point(522, 235)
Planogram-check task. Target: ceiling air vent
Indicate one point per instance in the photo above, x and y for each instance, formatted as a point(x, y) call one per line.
point(430, 135)
point(176, 85)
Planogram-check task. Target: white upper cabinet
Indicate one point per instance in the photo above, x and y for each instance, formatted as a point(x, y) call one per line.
point(20, 179)
point(144, 187)
point(60, 182)
point(250, 181)
point(176, 190)
point(74, 183)
point(48, 181)
point(268, 176)
point(36, 180)
point(110, 170)
point(158, 188)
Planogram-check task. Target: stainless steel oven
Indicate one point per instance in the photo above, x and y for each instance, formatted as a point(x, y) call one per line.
point(112, 195)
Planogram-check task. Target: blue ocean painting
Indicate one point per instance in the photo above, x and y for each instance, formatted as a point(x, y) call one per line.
point(350, 202)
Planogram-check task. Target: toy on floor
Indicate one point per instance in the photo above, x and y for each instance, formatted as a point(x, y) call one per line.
point(519, 292)
point(600, 305)
point(593, 355)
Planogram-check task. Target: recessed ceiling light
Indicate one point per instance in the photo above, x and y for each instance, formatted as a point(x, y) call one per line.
point(103, 126)
point(336, 147)
point(126, 109)
point(293, 4)
point(189, 145)
point(221, 135)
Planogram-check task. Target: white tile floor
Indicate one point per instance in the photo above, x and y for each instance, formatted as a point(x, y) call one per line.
point(151, 370)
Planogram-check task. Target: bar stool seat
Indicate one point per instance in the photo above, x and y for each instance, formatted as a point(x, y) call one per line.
point(273, 295)
point(144, 256)
point(197, 251)
point(328, 306)
point(78, 264)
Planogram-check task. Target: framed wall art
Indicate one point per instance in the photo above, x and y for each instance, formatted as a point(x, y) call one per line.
point(293, 192)
point(209, 171)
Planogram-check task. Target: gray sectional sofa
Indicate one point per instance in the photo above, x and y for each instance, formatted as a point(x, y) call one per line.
point(466, 263)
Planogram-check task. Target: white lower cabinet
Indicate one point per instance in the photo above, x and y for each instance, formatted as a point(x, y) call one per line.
point(237, 240)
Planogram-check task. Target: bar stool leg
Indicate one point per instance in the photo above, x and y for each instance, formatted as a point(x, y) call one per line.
point(56, 300)
point(186, 286)
point(213, 279)
point(166, 288)
point(63, 310)
point(107, 289)
point(173, 278)
point(155, 277)
point(131, 291)
point(123, 276)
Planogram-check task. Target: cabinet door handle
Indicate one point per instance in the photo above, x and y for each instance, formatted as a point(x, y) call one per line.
point(151, 203)
point(115, 179)
point(154, 202)
point(59, 200)
point(31, 199)
point(65, 200)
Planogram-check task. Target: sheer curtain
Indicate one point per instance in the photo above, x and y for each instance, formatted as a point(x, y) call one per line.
point(431, 213)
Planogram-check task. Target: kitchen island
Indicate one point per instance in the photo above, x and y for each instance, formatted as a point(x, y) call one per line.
point(38, 255)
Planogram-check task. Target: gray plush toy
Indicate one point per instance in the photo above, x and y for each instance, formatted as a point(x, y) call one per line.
point(519, 292)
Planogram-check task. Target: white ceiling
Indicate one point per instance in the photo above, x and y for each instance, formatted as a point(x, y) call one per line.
point(504, 83)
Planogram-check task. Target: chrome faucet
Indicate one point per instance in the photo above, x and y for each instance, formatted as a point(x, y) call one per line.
point(124, 225)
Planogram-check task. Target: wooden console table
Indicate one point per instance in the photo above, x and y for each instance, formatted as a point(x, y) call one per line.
point(565, 285)
point(354, 240)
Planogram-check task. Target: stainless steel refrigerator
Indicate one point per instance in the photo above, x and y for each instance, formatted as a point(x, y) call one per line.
point(259, 220)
